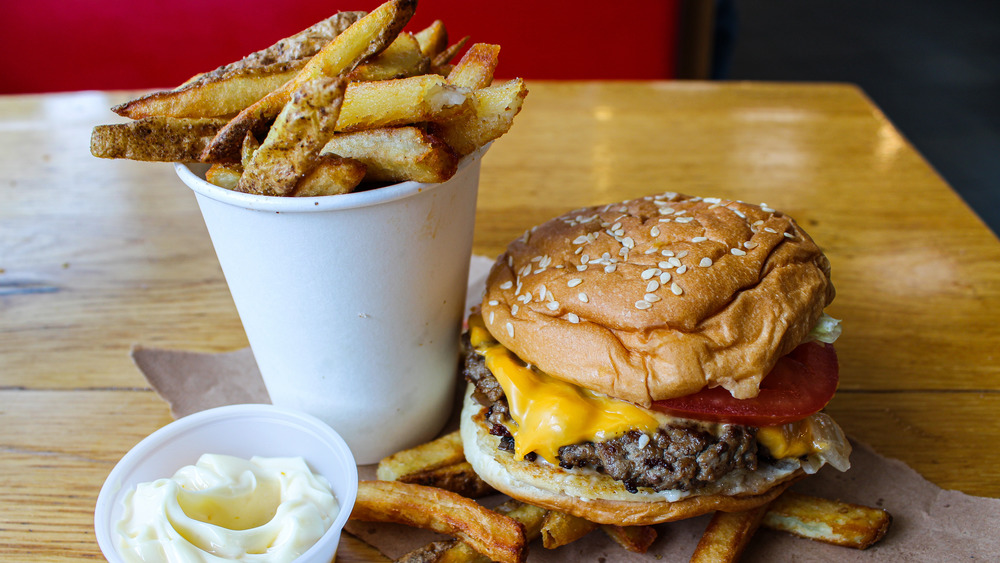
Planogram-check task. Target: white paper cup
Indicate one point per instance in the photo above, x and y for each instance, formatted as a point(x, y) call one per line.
point(239, 430)
point(352, 303)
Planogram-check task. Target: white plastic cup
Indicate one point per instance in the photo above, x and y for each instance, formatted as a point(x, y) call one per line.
point(238, 430)
point(352, 303)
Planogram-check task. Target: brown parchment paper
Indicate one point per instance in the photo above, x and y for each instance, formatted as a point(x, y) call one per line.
point(929, 523)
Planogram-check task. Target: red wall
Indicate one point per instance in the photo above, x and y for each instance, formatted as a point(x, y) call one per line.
point(56, 45)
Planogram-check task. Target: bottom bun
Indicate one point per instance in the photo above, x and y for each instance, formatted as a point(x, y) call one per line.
point(601, 499)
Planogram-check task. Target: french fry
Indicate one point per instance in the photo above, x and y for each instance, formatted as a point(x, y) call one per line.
point(829, 521)
point(494, 110)
point(727, 534)
point(224, 175)
point(476, 67)
point(161, 139)
point(403, 101)
point(229, 89)
point(332, 175)
point(432, 39)
point(559, 529)
point(397, 154)
point(435, 551)
point(446, 56)
point(400, 59)
point(224, 96)
point(366, 37)
point(288, 154)
point(459, 478)
point(498, 537)
point(459, 552)
point(446, 450)
point(636, 539)
point(250, 146)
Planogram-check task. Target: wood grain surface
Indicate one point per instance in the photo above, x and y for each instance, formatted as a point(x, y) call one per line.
point(97, 255)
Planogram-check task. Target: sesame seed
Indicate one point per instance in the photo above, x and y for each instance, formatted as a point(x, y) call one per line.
point(610, 268)
point(581, 239)
point(764, 207)
point(546, 260)
point(578, 250)
point(513, 310)
point(646, 274)
point(739, 214)
point(620, 233)
point(542, 290)
point(536, 259)
point(552, 305)
point(571, 317)
point(510, 261)
point(705, 262)
point(664, 277)
point(667, 253)
point(770, 230)
point(666, 264)
point(674, 261)
point(737, 252)
point(682, 269)
point(510, 330)
point(584, 259)
point(712, 200)
point(643, 304)
point(654, 232)
point(651, 297)
point(684, 219)
point(581, 267)
point(616, 226)
point(665, 220)
point(491, 317)
point(643, 441)
point(583, 297)
point(788, 235)
point(652, 286)
point(538, 271)
point(699, 239)
point(628, 242)
point(650, 251)
point(506, 285)
point(574, 282)
point(494, 302)
point(676, 289)
point(750, 245)
point(682, 254)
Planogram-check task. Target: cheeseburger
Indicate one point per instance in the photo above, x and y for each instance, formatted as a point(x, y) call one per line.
point(653, 360)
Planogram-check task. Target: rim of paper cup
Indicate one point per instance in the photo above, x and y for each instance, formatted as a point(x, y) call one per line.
point(366, 198)
point(108, 495)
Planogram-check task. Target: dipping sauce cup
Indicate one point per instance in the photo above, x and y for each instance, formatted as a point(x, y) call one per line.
point(242, 431)
point(352, 303)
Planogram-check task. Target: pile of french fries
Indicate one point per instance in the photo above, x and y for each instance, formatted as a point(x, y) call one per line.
point(353, 99)
point(432, 486)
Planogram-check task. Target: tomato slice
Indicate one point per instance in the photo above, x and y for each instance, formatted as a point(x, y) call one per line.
point(801, 383)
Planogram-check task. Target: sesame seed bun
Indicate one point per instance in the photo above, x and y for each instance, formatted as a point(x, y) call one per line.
point(599, 498)
point(659, 297)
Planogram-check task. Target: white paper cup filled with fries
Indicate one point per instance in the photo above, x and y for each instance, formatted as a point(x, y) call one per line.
point(352, 304)
point(337, 172)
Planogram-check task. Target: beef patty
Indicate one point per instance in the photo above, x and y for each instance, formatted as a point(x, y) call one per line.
point(676, 456)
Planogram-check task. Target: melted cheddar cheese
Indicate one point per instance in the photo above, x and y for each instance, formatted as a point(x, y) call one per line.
point(551, 413)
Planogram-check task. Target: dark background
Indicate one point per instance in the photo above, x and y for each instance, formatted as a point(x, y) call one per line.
point(933, 67)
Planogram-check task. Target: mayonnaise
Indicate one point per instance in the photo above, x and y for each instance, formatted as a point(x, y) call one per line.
point(225, 508)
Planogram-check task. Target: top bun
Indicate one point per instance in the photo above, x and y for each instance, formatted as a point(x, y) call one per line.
point(659, 297)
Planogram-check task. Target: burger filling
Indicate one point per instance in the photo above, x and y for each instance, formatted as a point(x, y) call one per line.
point(679, 456)
point(576, 428)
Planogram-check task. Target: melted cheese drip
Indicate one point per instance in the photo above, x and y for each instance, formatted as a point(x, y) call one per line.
point(550, 413)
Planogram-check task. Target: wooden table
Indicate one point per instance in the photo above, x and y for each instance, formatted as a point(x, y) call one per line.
point(96, 256)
